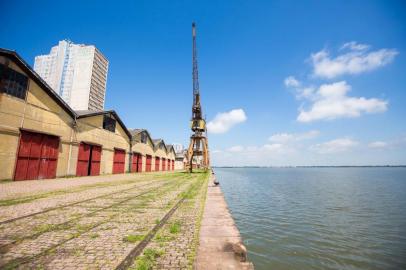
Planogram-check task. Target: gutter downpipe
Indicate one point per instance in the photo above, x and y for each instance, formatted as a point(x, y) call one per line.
point(70, 145)
point(131, 157)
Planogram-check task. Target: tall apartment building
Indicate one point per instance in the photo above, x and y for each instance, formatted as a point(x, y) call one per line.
point(77, 72)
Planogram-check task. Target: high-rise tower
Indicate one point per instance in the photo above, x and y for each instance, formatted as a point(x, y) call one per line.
point(77, 72)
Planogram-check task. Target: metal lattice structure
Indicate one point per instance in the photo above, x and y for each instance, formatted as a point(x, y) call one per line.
point(198, 146)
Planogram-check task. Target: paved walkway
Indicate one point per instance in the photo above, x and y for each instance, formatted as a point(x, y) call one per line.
point(17, 188)
point(101, 225)
point(220, 244)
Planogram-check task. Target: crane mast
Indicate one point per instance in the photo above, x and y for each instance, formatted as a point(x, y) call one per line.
point(198, 141)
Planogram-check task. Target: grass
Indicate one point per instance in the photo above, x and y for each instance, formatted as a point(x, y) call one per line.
point(94, 235)
point(30, 198)
point(133, 238)
point(44, 228)
point(148, 259)
point(160, 238)
point(175, 227)
point(193, 249)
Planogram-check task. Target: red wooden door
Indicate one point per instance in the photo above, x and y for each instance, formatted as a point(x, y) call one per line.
point(148, 163)
point(134, 162)
point(163, 164)
point(139, 164)
point(37, 156)
point(23, 156)
point(49, 157)
point(95, 159)
point(157, 159)
point(82, 168)
point(118, 161)
point(173, 165)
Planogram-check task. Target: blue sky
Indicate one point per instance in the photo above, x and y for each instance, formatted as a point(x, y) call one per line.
point(282, 82)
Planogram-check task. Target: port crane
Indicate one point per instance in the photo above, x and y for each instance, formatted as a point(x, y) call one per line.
point(198, 146)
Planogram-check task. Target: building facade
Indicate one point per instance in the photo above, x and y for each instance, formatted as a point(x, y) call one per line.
point(42, 137)
point(77, 72)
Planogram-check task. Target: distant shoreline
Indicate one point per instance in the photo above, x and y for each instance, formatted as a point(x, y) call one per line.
point(320, 166)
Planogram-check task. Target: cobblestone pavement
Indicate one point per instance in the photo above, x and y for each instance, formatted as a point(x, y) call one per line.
point(174, 245)
point(20, 205)
point(103, 225)
point(12, 189)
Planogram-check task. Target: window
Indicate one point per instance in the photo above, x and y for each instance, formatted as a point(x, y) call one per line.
point(109, 123)
point(12, 82)
point(143, 137)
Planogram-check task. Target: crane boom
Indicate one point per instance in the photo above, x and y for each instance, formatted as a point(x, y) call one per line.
point(198, 146)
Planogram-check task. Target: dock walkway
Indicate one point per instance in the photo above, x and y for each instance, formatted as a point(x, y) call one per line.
point(220, 245)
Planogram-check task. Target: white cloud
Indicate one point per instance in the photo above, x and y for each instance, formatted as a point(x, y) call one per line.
point(377, 144)
point(273, 147)
point(291, 82)
point(281, 138)
point(353, 45)
point(222, 122)
point(334, 146)
point(291, 137)
point(236, 149)
point(331, 102)
point(356, 60)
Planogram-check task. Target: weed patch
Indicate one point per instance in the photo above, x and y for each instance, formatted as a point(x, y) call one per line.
point(132, 238)
point(175, 227)
point(148, 259)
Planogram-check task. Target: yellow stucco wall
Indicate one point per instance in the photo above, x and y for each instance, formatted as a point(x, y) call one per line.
point(40, 113)
point(144, 149)
point(37, 112)
point(90, 130)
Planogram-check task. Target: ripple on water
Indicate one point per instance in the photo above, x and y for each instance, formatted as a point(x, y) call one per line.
point(320, 218)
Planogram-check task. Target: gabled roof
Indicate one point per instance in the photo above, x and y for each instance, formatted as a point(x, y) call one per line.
point(37, 79)
point(136, 131)
point(169, 148)
point(87, 113)
point(158, 141)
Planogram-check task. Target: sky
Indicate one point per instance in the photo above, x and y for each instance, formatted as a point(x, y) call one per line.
point(282, 83)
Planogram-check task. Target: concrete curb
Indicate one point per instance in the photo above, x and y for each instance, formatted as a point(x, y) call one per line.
point(220, 243)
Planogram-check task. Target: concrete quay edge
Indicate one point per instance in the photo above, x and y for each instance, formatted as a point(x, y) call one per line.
point(220, 242)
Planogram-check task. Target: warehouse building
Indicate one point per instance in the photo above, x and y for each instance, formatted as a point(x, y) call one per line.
point(42, 137)
point(171, 157)
point(142, 147)
point(103, 143)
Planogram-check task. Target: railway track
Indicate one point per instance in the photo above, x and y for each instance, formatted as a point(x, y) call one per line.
point(64, 224)
point(24, 260)
point(71, 204)
point(138, 249)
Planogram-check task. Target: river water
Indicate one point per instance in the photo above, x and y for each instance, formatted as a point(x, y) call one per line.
point(319, 218)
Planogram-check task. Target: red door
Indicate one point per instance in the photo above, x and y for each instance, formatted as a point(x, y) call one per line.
point(139, 163)
point(136, 165)
point(118, 161)
point(134, 162)
point(95, 158)
point(82, 168)
point(148, 163)
point(157, 159)
point(88, 160)
point(49, 157)
point(173, 165)
point(37, 156)
point(163, 164)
